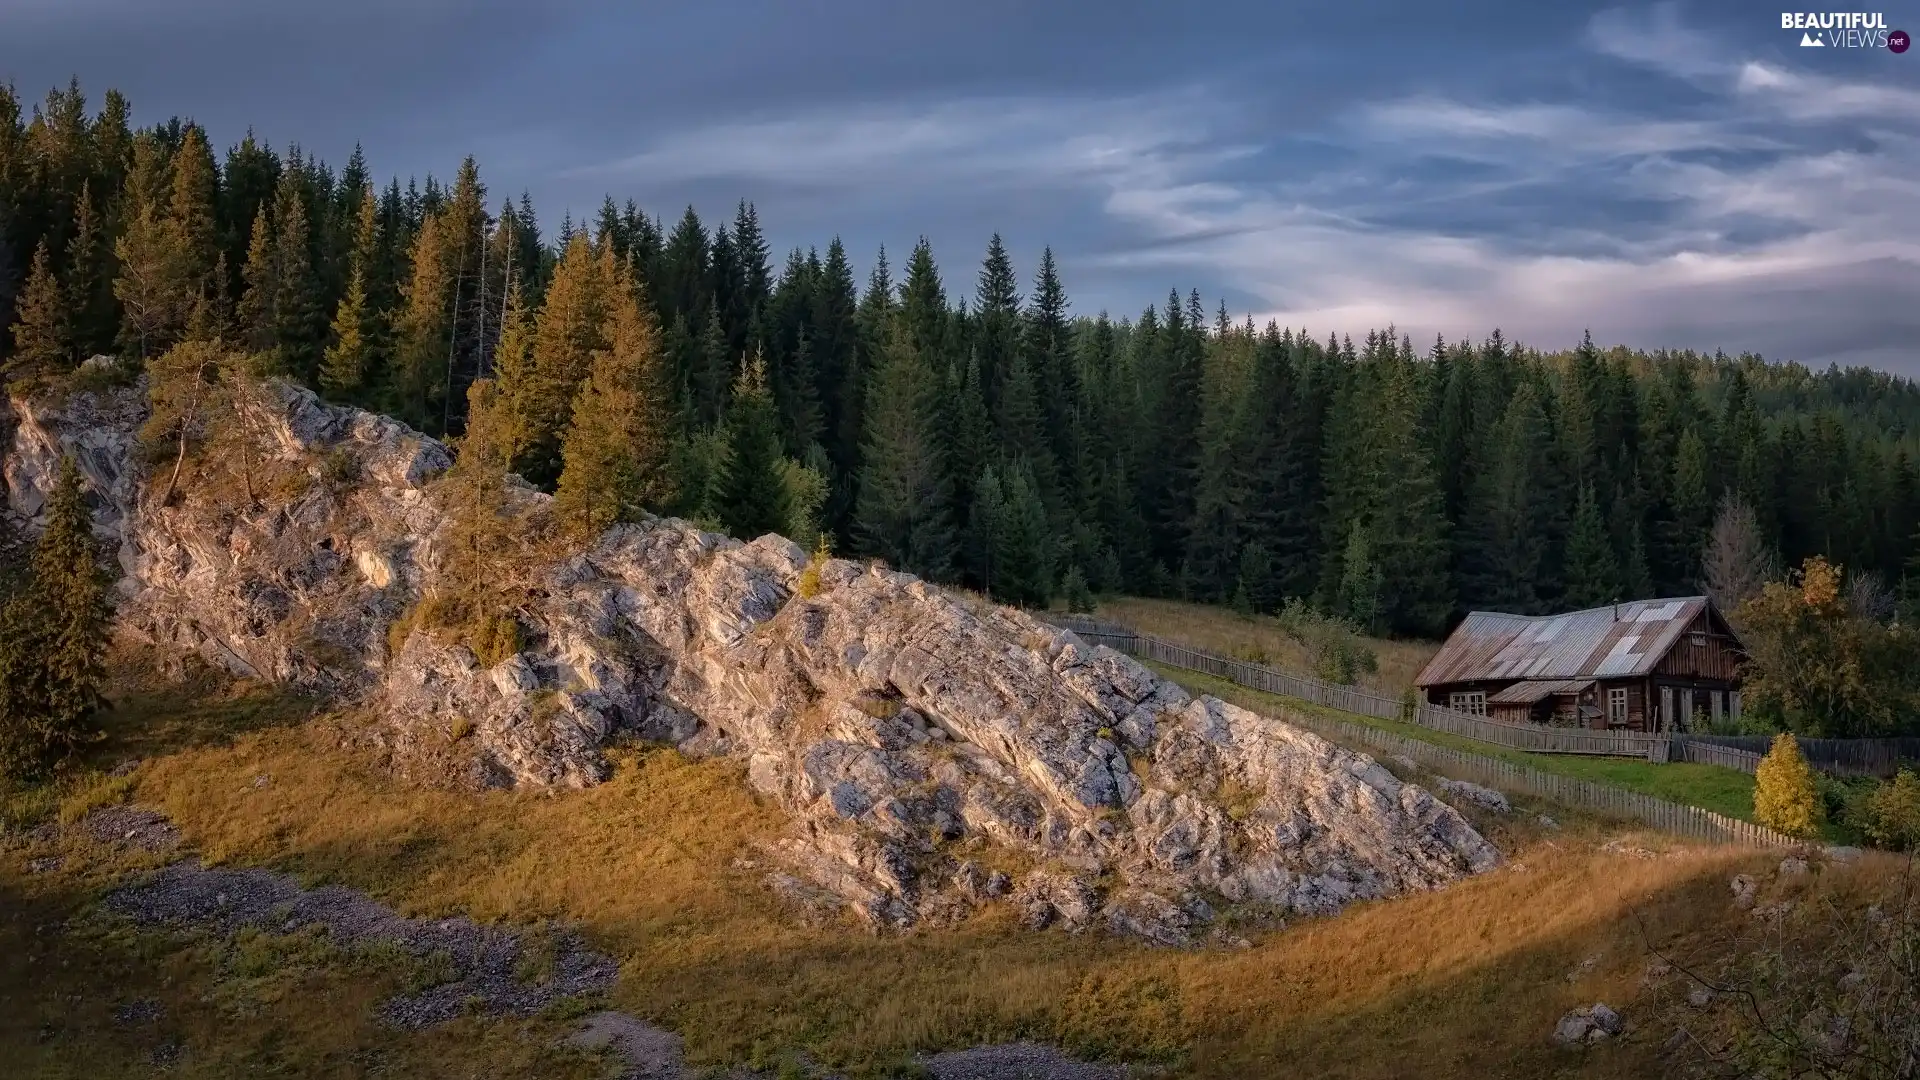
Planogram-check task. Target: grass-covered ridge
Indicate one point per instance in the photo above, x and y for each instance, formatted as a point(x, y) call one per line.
point(663, 867)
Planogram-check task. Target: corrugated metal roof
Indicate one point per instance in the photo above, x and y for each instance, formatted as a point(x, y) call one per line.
point(1617, 641)
point(1526, 693)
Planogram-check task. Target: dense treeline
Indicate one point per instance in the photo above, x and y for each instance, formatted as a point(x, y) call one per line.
point(1000, 441)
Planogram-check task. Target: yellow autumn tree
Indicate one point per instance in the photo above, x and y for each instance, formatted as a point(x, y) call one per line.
point(1784, 796)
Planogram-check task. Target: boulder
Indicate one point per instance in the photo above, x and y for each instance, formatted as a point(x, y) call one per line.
point(893, 721)
point(1483, 797)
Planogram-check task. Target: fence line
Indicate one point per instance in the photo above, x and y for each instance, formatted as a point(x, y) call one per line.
point(1535, 738)
point(1688, 821)
point(1853, 757)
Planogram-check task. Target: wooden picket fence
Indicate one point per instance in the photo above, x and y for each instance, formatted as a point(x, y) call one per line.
point(1688, 821)
point(1845, 757)
point(1533, 738)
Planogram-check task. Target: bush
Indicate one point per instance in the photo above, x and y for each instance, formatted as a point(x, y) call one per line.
point(1785, 797)
point(1333, 644)
point(1890, 816)
point(809, 586)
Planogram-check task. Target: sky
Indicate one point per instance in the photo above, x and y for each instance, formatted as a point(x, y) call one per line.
point(1676, 175)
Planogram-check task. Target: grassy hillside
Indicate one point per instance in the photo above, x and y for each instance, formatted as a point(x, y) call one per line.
point(663, 868)
point(1223, 631)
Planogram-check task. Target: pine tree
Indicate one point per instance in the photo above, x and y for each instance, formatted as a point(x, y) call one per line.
point(42, 335)
point(89, 295)
point(52, 655)
point(614, 454)
point(752, 497)
point(297, 321)
point(1508, 506)
point(1593, 573)
point(255, 313)
point(149, 257)
point(423, 328)
point(1685, 532)
point(343, 370)
point(1023, 546)
point(903, 505)
point(1358, 597)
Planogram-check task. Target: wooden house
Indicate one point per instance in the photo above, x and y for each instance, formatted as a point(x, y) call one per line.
point(1649, 665)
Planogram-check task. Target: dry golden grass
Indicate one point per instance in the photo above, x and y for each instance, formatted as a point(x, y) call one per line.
point(1225, 632)
point(661, 867)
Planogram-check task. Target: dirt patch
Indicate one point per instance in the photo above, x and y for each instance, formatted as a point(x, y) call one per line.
point(472, 968)
point(1018, 1061)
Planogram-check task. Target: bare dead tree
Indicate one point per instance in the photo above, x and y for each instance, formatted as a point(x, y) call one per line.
point(1737, 562)
point(1868, 597)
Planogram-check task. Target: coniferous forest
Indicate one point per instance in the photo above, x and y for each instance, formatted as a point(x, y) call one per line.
point(970, 425)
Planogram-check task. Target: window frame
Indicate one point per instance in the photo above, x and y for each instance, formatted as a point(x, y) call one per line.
point(1471, 702)
point(1617, 695)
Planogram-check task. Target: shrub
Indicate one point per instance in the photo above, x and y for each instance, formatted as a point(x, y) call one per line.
point(494, 639)
point(1890, 816)
point(1073, 589)
point(810, 577)
point(1785, 797)
point(341, 466)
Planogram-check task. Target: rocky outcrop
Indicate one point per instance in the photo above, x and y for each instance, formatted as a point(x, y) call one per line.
point(918, 739)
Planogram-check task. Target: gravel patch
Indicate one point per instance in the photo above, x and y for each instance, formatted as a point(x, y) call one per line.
point(650, 1053)
point(143, 1011)
point(1017, 1061)
point(481, 964)
point(131, 826)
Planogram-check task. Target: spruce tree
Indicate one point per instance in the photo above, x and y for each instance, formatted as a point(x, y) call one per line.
point(902, 510)
point(255, 311)
point(1593, 573)
point(614, 455)
point(297, 320)
point(1024, 547)
point(571, 328)
point(52, 656)
point(752, 497)
point(1358, 596)
point(423, 327)
point(343, 369)
point(986, 518)
point(148, 256)
point(42, 335)
point(89, 295)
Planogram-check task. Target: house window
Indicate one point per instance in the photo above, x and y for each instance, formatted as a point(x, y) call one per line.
point(1617, 706)
point(1468, 701)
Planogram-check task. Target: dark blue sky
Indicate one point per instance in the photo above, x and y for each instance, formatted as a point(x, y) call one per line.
point(1667, 175)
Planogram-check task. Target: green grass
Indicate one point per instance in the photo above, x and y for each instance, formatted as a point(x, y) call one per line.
point(1710, 787)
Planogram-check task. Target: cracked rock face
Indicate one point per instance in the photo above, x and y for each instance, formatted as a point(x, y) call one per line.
point(905, 730)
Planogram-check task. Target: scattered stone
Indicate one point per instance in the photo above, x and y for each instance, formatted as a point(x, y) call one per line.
point(1657, 969)
point(1573, 1028)
point(1700, 997)
point(1484, 797)
point(262, 780)
point(1406, 763)
point(1547, 822)
point(1773, 911)
point(1794, 867)
point(1633, 851)
point(143, 1011)
point(166, 1055)
point(480, 963)
point(1744, 891)
point(46, 865)
point(1588, 1025)
point(131, 827)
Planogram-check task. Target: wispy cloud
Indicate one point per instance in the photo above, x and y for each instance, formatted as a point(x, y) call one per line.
point(1773, 210)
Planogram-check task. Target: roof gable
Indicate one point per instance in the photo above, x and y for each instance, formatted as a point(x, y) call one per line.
point(1616, 641)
